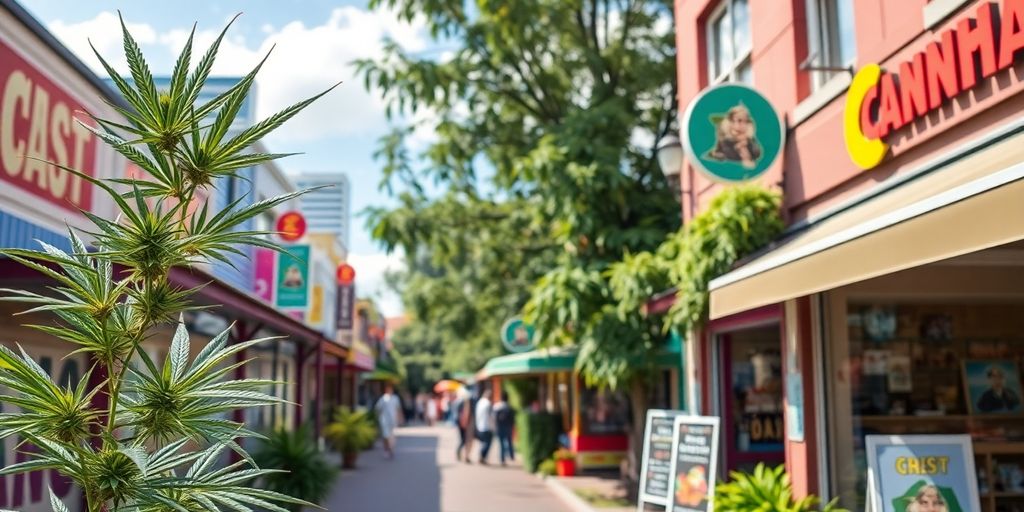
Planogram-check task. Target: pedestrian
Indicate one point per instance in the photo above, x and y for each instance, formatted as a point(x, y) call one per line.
point(431, 411)
point(504, 424)
point(389, 416)
point(463, 410)
point(421, 407)
point(484, 420)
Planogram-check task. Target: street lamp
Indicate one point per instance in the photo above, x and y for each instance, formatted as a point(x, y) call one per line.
point(670, 159)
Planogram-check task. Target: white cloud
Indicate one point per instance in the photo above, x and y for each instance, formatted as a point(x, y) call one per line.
point(105, 33)
point(370, 282)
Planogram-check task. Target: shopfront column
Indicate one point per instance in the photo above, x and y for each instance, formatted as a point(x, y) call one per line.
point(799, 382)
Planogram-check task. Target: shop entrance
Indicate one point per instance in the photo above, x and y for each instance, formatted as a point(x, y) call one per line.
point(750, 396)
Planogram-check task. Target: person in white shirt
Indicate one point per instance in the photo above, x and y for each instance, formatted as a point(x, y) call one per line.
point(484, 429)
point(389, 416)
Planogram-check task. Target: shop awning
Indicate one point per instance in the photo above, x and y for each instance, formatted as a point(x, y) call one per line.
point(550, 360)
point(966, 203)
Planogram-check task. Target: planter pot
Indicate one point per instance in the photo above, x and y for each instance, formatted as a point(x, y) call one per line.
point(348, 460)
point(565, 467)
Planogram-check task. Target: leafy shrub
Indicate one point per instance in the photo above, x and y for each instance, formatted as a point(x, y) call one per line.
point(351, 431)
point(564, 454)
point(305, 473)
point(764, 490)
point(538, 437)
point(547, 468)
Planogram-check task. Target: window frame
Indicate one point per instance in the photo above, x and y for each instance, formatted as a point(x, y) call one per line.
point(823, 42)
point(729, 73)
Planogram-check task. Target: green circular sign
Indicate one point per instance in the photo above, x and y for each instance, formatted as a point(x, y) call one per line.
point(732, 133)
point(517, 336)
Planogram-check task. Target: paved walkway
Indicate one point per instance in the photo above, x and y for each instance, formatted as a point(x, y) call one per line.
point(425, 477)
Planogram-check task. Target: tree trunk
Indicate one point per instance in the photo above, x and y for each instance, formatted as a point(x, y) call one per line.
point(638, 392)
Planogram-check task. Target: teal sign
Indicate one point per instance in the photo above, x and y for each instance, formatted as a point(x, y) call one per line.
point(292, 281)
point(732, 133)
point(517, 336)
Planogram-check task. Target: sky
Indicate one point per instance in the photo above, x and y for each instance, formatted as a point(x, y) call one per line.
point(314, 43)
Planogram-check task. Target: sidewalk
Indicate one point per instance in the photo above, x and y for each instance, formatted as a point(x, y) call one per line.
point(425, 477)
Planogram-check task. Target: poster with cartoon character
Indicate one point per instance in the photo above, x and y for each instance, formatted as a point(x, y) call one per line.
point(922, 474)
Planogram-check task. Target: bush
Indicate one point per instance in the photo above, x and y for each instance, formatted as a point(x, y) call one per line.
point(564, 454)
point(351, 431)
point(538, 437)
point(764, 490)
point(306, 475)
point(547, 468)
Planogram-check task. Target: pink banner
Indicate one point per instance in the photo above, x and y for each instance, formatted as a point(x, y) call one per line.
point(263, 278)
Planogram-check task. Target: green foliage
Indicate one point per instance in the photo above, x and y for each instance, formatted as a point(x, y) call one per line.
point(158, 446)
point(547, 467)
point(765, 490)
point(538, 437)
point(563, 454)
point(520, 393)
point(351, 431)
point(302, 470)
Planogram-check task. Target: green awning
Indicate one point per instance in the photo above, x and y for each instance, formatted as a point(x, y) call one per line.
point(545, 360)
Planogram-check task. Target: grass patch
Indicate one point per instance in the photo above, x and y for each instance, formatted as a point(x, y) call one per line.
point(599, 500)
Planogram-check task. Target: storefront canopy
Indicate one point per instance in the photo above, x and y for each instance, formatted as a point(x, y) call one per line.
point(561, 359)
point(968, 202)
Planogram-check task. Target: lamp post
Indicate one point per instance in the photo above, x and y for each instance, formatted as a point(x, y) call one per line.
point(670, 159)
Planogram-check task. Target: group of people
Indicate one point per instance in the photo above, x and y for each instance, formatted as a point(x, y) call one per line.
point(483, 419)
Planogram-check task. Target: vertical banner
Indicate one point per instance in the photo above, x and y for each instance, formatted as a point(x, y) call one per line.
point(292, 283)
point(691, 486)
point(346, 306)
point(909, 473)
point(316, 313)
point(656, 464)
point(263, 274)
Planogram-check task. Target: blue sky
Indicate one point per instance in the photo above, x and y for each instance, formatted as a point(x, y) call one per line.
point(315, 42)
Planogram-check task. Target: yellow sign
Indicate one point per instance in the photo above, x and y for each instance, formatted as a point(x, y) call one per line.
point(865, 152)
point(316, 315)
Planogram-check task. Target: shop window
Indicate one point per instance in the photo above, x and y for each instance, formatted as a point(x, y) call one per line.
point(926, 368)
point(729, 43)
point(604, 411)
point(831, 39)
point(752, 396)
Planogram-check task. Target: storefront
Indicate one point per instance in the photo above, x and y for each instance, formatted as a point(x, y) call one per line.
point(595, 420)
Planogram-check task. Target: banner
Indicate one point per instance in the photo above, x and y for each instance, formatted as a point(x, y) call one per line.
point(908, 473)
point(656, 464)
point(345, 306)
point(694, 464)
point(263, 273)
point(292, 283)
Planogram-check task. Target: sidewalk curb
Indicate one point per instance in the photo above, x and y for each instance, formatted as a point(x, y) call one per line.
point(574, 502)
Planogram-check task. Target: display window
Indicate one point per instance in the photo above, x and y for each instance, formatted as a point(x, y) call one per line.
point(921, 367)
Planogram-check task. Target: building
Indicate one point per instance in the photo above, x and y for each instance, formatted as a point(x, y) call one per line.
point(898, 284)
point(329, 209)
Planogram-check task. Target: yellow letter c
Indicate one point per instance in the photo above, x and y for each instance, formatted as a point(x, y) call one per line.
point(864, 152)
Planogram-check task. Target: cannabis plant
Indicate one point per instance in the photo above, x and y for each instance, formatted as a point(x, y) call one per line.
point(145, 435)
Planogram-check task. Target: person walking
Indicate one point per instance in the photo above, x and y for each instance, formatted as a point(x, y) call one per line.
point(389, 416)
point(431, 410)
point(484, 420)
point(463, 408)
point(504, 424)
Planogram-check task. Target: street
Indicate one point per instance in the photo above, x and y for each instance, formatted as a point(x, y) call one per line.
point(425, 477)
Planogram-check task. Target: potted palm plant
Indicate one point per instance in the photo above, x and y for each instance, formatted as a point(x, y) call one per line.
point(351, 432)
point(565, 462)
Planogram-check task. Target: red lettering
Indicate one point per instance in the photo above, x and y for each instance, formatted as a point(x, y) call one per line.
point(868, 125)
point(890, 115)
point(913, 92)
point(1011, 32)
point(976, 38)
point(940, 69)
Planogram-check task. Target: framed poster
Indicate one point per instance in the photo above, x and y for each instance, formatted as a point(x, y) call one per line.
point(657, 458)
point(292, 287)
point(992, 386)
point(694, 466)
point(909, 473)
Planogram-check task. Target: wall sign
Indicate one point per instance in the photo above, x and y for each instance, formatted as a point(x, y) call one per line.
point(291, 226)
point(292, 283)
point(694, 464)
point(732, 133)
point(517, 336)
point(908, 473)
point(264, 273)
point(345, 302)
point(880, 102)
point(656, 464)
point(346, 274)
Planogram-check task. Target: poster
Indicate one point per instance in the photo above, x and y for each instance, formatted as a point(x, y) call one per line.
point(292, 283)
point(909, 473)
point(263, 273)
point(694, 464)
point(657, 458)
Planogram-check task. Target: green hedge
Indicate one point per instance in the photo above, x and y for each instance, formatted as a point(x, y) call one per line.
point(538, 437)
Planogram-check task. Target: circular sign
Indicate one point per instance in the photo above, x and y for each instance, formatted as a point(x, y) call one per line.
point(291, 226)
point(517, 336)
point(732, 133)
point(346, 274)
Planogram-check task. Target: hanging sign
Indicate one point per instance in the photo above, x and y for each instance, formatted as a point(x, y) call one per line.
point(263, 273)
point(656, 464)
point(732, 133)
point(517, 336)
point(691, 486)
point(880, 102)
point(345, 314)
point(292, 283)
point(908, 473)
point(291, 226)
point(346, 274)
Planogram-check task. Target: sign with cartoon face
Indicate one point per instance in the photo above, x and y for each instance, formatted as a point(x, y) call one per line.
point(921, 473)
point(517, 336)
point(732, 133)
point(292, 288)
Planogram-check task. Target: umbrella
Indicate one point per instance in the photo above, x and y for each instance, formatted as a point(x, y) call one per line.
point(447, 385)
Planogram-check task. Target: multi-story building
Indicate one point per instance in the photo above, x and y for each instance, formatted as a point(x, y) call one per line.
point(329, 209)
point(897, 286)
